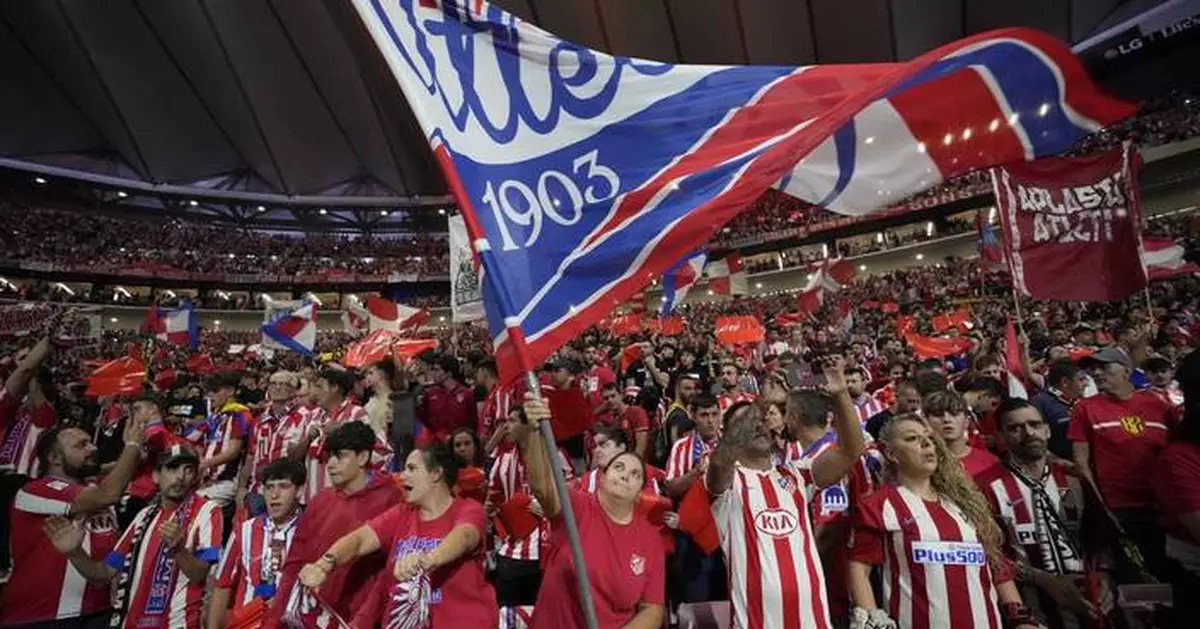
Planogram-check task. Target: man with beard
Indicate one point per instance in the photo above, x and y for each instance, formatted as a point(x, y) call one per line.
point(44, 589)
point(1039, 502)
point(776, 578)
point(162, 561)
point(732, 390)
point(865, 404)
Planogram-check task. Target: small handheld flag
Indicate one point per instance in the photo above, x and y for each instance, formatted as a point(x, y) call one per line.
point(679, 279)
point(173, 325)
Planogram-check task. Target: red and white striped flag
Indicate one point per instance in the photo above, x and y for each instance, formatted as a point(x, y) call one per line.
point(727, 277)
point(1163, 258)
point(385, 314)
point(1017, 378)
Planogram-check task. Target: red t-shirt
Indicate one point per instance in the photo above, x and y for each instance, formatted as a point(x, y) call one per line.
point(1177, 486)
point(44, 587)
point(1125, 437)
point(331, 514)
point(459, 595)
point(625, 567)
point(977, 460)
point(445, 408)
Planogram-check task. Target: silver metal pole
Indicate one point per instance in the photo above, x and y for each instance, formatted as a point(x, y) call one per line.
point(564, 503)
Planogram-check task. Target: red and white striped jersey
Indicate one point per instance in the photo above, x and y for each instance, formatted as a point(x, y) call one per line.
point(687, 452)
point(495, 411)
point(253, 558)
point(518, 617)
point(1037, 533)
point(507, 478)
point(264, 444)
point(725, 400)
point(775, 575)
point(45, 586)
point(160, 595)
point(18, 450)
point(314, 461)
point(936, 573)
point(792, 452)
point(867, 407)
point(217, 434)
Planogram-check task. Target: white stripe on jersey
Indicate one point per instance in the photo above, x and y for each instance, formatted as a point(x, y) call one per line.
point(768, 510)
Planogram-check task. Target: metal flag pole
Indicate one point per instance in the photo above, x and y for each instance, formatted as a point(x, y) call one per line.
point(564, 503)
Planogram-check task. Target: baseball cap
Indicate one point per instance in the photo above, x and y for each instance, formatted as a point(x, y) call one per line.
point(1109, 355)
point(176, 454)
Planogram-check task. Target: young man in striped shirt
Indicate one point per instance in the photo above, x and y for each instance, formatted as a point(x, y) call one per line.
point(254, 557)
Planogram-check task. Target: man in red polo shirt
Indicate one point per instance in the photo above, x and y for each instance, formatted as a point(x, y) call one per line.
point(1116, 437)
point(628, 417)
point(446, 403)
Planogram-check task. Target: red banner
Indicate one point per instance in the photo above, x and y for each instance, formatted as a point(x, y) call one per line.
point(1071, 226)
point(937, 346)
point(959, 319)
point(381, 344)
point(740, 330)
point(123, 376)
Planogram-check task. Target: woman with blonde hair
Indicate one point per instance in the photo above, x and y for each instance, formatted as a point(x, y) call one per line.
point(932, 532)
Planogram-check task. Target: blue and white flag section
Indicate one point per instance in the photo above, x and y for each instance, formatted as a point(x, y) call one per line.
point(582, 176)
point(290, 325)
point(679, 279)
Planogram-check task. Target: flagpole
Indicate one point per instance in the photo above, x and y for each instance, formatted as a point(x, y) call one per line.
point(1017, 310)
point(564, 503)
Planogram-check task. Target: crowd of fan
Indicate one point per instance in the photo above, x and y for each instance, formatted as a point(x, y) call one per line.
point(89, 239)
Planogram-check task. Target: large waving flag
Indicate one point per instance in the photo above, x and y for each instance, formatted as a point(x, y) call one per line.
point(294, 329)
point(173, 325)
point(679, 279)
point(581, 176)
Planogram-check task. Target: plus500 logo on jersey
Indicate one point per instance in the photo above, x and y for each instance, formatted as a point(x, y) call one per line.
point(949, 553)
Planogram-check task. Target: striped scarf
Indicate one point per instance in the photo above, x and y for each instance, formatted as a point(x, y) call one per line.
point(1058, 551)
point(125, 585)
point(410, 603)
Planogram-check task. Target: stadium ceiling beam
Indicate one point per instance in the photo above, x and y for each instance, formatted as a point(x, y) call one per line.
point(196, 192)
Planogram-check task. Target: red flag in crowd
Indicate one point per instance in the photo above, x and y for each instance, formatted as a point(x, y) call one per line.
point(626, 324)
point(959, 319)
point(936, 346)
point(1017, 378)
point(670, 326)
point(1072, 226)
point(741, 329)
point(830, 277)
point(381, 344)
point(123, 376)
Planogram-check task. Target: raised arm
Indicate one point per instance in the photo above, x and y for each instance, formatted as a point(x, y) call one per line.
point(720, 467)
point(18, 381)
point(835, 463)
point(109, 491)
point(537, 460)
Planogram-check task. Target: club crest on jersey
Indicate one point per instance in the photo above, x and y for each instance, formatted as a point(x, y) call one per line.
point(1133, 425)
point(834, 500)
point(637, 564)
point(776, 522)
point(786, 483)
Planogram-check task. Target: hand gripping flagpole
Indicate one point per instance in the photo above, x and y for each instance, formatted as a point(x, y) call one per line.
point(564, 502)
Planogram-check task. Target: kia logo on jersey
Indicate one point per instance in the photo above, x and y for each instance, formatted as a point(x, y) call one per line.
point(776, 522)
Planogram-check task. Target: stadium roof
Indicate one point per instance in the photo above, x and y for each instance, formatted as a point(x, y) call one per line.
point(288, 105)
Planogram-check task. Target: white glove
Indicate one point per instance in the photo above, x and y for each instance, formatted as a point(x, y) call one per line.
point(874, 619)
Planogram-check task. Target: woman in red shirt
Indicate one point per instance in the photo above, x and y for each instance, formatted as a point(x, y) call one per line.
point(433, 533)
point(625, 558)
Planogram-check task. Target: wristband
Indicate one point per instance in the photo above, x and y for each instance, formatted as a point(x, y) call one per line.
point(133, 444)
point(331, 559)
point(1017, 614)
